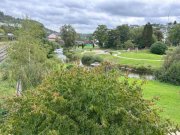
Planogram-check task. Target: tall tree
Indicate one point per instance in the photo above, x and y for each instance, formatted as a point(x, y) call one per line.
point(147, 36)
point(123, 32)
point(68, 34)
point(100, 34)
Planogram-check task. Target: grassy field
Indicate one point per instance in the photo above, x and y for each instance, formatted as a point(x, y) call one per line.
point(145, 54)
point(5, 89)
point(134, 59)
point(169, 98)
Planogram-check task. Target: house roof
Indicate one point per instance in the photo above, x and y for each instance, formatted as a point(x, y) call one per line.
point(54, 36)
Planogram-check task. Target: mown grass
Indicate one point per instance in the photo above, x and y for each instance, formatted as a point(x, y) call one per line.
point(131, 62)
point(167, 95)
point(142, 58)
point(169, 98)
point(142, 55)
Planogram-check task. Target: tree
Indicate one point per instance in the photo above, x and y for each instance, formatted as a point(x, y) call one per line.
point(158, 34)
point(83, 102)
point(123, 33)
point(174, 34)
point(68, 35)
point(112, 39)
point(136, 35)
point(100, 34)
point(27, 57)
point(147, 36)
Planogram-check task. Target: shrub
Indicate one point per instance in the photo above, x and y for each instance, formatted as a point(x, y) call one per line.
point(158, 48)
point(170, 72)
point(71, 56)
point(83, 102)
point(129, 44)
point(89, 59)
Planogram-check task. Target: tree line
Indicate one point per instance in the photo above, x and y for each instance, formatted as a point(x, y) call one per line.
point(141, 37)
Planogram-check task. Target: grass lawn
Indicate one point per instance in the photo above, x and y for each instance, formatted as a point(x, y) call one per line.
point(142, 55)
point(134, 59)
point(131, 62)
point(169, 98)
point(140, 58)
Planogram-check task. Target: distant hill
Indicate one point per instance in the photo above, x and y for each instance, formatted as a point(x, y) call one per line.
point(10, 21)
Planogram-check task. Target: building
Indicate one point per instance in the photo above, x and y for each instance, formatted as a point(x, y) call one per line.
point(52, 37)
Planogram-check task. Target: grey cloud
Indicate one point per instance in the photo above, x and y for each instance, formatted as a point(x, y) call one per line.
point(138, 8)
point(85, 15)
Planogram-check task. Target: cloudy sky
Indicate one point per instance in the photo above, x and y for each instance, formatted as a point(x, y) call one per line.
point(85, 15)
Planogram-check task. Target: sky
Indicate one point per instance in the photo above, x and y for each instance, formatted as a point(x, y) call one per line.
point(86, 15)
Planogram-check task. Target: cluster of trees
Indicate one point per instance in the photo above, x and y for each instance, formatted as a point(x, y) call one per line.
point(116, 38)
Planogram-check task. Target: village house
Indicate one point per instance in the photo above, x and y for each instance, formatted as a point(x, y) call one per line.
point(52, 37)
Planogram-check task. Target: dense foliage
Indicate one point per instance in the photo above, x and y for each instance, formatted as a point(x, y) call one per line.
point(158, 48)
point(170, 72)
point(112, 39)
point(115, 38)
point(100, 34)
point(136, 35)
point(89, 59)
point(81, 101)
point(158, 34)
point(174, 34)
point(128, 44)
point(123, 33)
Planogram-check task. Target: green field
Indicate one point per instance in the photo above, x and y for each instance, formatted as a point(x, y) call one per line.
point(134, 59)
point(144, 54)
point(169, 98)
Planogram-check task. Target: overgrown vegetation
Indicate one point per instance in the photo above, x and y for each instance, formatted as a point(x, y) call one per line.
point(27, 60)
point(170, 72)
point(89, 59)
point(80, 101)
